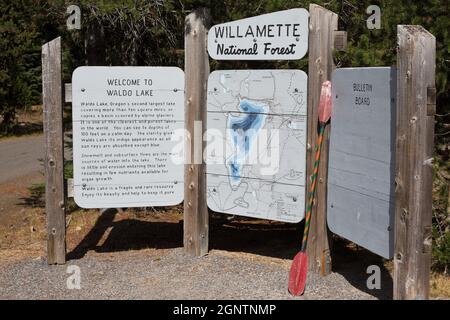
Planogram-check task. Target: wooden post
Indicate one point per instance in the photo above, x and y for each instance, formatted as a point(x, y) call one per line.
point(196, 220)
point(416, 96)
point(54, 152)
point(323, 23)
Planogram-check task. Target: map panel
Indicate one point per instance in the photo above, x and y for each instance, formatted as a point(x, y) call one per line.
point(256, 148)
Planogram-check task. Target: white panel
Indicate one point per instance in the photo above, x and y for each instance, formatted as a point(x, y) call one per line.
point(361, 159)
point(123, 122)
point(256, 149)
point(281, 35)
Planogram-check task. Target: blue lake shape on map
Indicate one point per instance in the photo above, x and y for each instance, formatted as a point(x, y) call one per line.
point(244, 130)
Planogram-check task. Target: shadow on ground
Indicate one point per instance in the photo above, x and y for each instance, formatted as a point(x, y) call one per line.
point(352, 262)
point(265, 238)
point(128, 234)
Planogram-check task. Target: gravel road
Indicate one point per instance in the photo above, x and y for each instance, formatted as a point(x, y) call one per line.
point(166, 274)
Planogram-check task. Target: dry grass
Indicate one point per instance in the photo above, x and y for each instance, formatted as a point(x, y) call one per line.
point(28, 231)
point(440, 286)
point(27, 239)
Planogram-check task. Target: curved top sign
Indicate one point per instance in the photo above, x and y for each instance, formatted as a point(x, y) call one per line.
point(281, 35)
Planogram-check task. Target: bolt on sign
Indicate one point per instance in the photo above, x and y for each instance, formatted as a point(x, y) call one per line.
point(256, 143)
point(281, 35)
point(124, 119)
point(361, 171)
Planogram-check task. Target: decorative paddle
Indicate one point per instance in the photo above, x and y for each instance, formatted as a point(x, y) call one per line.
point(299, 267)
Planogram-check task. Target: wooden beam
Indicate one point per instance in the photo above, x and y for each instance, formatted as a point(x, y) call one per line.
point(323, 23)
point(414, 151)
point(196, 220)
point(70, 188)
point(52, 96)
point(340, 40)
point(68, 92)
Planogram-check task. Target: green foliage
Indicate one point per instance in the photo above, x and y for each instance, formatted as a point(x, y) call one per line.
point(68, 169)
point(15, 40)
point(37, 195)
point(441, 215)
point(23, 28)
point(441, 250)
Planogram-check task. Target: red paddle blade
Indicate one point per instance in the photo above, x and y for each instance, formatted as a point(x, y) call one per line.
point(325, 105)
point(297, 275)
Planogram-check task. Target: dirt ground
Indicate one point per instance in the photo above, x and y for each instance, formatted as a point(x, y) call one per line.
point(138, 254)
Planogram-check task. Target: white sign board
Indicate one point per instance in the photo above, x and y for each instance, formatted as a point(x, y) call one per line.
point(361, 158)
point(281, 35)
point(123, 122)
point(256, 143)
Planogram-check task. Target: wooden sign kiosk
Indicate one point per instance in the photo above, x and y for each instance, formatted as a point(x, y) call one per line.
point(414, 146)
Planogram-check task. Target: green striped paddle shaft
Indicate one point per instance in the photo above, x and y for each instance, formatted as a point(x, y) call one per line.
point(312, 189)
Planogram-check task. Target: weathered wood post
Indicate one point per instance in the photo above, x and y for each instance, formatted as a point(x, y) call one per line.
point(322, 26)
point(54, 151)
point(416, 104)
point(196, 220)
